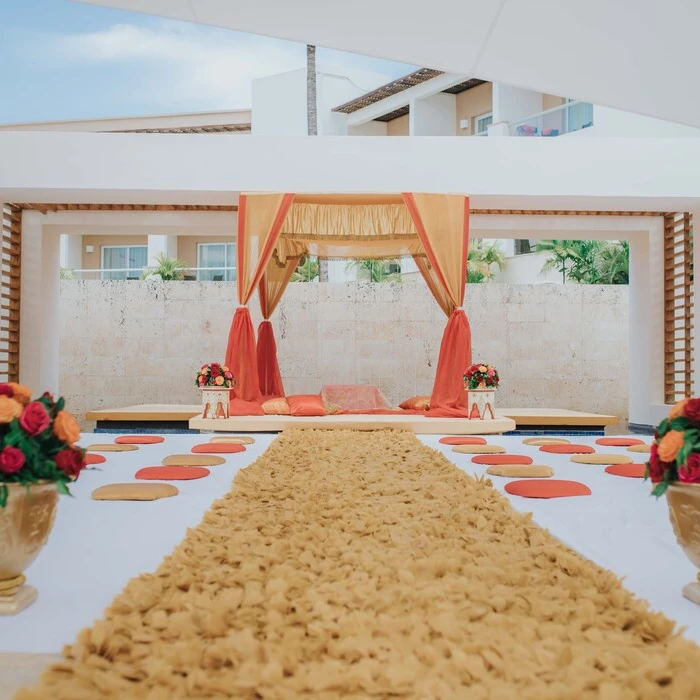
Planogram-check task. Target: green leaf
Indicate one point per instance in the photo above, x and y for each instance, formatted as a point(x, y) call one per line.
point(681, 423)
point(660, 489)
point(62, 488)
point(4, 493)
point(663, 427)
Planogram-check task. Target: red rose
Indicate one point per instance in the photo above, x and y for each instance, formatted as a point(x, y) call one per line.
point(228, 375)
point(11, 460)
point(34, 419)
point(6, 390)
point(214, 371)
point(690, 473)
point(71, 462)
point(691, 410)
point(657, 468)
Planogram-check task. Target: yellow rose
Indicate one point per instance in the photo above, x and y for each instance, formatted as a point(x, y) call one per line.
point(21, 393)
point(677, 410)
point(66, 428)
point(669, 445)
point(219, 380)
point(224, 368)
point(482, 368)
point(9, 409)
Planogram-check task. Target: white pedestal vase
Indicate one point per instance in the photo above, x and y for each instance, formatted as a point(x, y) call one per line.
point(215, 401)
point(481, 404)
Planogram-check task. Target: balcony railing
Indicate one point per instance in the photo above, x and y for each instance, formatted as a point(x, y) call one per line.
point(203, 274)
point(564, 119)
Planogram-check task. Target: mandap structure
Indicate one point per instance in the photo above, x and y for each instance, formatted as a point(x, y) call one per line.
point(276, 231)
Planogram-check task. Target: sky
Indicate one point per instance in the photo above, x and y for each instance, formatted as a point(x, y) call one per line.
point(65, 60)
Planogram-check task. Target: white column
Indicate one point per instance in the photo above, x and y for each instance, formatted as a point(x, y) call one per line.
point(39, 306)
point(435, 115)
point(646, 327)
point(510, 104)
point(161, 244)
point(71, 251)
point(696, 305)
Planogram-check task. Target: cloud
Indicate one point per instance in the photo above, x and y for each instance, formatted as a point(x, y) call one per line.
point(184, 63)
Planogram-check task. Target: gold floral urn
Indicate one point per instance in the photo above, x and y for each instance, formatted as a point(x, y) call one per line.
point(25, 524)
point(684, 508)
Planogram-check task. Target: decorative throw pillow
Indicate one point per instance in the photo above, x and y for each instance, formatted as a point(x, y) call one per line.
point(276, 407)
point(239, 407)
point(331, 408)
point(417, 403)
point(306, 405)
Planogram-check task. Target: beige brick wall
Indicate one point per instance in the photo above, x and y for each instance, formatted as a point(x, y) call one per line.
point(135, 342)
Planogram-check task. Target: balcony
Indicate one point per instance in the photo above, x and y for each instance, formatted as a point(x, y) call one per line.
point(201, 274)
point(564, 119)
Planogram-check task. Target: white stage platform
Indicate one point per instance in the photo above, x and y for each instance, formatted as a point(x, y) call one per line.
point(415, 424)
point(96, 547)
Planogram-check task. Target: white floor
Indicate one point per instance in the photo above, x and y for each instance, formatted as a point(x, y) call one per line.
point(96, 547)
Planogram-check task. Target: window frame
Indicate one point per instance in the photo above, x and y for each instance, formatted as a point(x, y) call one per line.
point(227, 262)
point(478, 118)
point(127, 247)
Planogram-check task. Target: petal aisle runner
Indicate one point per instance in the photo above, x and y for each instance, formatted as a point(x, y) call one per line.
point(366, 564)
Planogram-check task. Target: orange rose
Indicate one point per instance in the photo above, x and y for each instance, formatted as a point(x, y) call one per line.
point(669, 445)
point(9, 409)
point(65, 428)
point(677, 410)
point(21, 393)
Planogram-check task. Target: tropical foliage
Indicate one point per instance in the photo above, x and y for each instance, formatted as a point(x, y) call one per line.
point(66, 274)
point(307, 270)
point(166, 269)
point(587, 262)
point(373, 270)
point(481, 260)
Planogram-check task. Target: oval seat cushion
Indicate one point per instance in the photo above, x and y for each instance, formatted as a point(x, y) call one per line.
point(139, 439)
point(193, 460)
point(462, 440)
point(218, 448)
point(567, 449)
point(521, 471)
point(643, 448)
point(234, 439)
point(94, 459)
point(111, 447)
point(502, 459)
point(618, 442)
point(632, 471)
point(134, 492)
point(546, 441)
point(547, 488)
point(172, 473)
point(479, 449)
point(601, 459)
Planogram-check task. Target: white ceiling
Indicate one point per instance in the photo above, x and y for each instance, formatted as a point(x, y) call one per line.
point(636, 55)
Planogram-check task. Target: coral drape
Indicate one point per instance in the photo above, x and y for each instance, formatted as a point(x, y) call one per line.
point(442, 223)
point(271, 288)
point(260, 219)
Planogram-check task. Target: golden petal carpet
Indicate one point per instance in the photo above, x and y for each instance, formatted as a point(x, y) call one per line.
point(365, 564)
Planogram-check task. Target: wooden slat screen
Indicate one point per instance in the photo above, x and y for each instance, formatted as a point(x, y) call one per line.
point(678, 306)
point(10, 266)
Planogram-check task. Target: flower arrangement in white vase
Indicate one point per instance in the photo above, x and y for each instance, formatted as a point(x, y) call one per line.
point(481, 382)
point(216, 381)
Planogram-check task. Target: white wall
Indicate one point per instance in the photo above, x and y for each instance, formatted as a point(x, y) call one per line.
point(71, 252)
point(372, 128)
point(279, 104)
point(613, 122)
point(527, 269)
point(601, 173)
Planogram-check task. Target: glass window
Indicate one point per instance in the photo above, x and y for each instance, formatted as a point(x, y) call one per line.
point(123, 262)
point(482, 123)
point(219, 259)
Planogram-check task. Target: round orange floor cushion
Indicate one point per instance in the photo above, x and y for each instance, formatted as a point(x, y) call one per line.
point(94, 459)
point(618, 442)
point(172, 473)
point(218, 448)
point(462, 440)
point(138, 439)
point(634, 471)
point(502, 459)
point(547, 488)
point(567, 449)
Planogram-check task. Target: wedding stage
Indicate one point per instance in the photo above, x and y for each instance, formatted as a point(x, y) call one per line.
point(618, 527)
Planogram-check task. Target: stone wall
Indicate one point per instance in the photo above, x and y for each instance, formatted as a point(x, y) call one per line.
point(557, 346)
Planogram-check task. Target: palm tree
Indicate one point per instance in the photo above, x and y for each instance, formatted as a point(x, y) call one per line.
point(167, 269)
point(375, 270)
point(312, 125)
point(307, 270)
point(613, 263)
point(480, 259)
point(560, 253)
